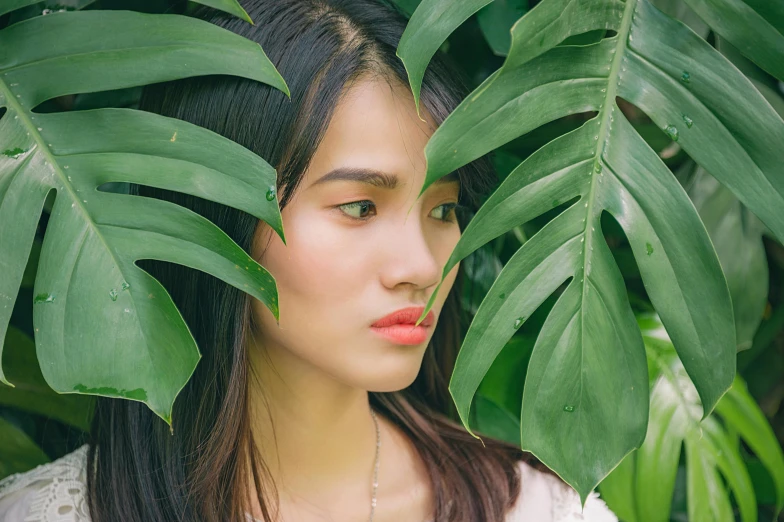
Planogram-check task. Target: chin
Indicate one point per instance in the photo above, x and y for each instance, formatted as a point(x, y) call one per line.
point(387, 368)
point(391, 386)
point(392, 378)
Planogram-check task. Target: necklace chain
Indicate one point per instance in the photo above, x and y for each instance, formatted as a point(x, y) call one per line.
point(375, 467)
point(375, 473)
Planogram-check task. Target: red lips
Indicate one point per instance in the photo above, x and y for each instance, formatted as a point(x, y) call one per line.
point(405, 316)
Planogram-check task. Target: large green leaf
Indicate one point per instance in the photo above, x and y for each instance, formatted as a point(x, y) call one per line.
point(641, 488)
point(618, 490)
point(18, 452)
point(737, 235)
point(755, 27)
point(585, 404)
point(31, 393)
point(675, 421)
point(12, 5)
point(228, 6)
point(740, 410)
point(680, 10)
point(428, 28)
point(103, 325)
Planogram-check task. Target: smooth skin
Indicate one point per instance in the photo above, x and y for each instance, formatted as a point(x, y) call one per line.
point(345, 265)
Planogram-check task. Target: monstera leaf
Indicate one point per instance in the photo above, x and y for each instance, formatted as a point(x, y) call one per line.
point(737, 236)
point(755, 27)
point(102, 325)
point(229, 6)
point(585, 402)
point(641, 488)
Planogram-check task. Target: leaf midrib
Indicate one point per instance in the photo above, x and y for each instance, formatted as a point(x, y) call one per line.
point(26, 119)
point(605, 111)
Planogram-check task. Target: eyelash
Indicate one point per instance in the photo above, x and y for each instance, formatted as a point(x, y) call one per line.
point(450, 206)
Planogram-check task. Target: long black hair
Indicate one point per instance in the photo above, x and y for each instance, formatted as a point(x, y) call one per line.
point(142, 472)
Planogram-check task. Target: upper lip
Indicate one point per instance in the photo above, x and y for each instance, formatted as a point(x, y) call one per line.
point(406, 316)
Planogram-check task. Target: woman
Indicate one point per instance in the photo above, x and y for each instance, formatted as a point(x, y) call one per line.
point(342, 411)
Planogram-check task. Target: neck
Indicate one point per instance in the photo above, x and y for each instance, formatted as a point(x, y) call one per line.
point(315, 434)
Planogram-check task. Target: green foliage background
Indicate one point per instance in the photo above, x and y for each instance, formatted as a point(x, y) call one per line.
point(38, 425)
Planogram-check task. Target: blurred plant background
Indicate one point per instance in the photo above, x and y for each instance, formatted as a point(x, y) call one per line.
point(737, 449)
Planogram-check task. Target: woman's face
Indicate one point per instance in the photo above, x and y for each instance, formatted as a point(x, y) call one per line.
point(352, 254)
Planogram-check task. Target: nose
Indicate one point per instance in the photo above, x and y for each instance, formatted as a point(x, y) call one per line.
point(409, 258)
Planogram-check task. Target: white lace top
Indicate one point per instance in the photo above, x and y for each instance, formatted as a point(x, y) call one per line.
point(55, 492)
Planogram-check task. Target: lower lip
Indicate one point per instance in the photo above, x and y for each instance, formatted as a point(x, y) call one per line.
point(403, 333)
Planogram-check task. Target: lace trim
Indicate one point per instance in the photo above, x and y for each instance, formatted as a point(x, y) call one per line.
point(62, 499)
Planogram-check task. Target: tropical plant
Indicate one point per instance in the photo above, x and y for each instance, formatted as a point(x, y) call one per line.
point(641, 488)
point(701, 261)
point(18, 452)
point(103, 326)
point(585, 402)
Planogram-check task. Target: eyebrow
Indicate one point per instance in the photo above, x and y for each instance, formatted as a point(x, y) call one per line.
point(374, 177)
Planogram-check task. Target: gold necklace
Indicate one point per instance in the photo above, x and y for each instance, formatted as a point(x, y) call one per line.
point(375, 473)
point(375, 467)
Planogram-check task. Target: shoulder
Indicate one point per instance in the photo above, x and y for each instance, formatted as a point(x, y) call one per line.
point(53, 492)
point(544, 497)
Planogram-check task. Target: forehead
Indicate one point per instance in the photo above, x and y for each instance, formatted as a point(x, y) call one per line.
point(375, 125)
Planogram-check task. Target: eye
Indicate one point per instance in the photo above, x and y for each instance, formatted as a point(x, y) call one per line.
point(443, 212)
point(357, 209)
point(360, 210)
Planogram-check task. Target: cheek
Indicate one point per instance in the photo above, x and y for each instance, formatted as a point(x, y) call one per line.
point(313, 263)
point(318, 276)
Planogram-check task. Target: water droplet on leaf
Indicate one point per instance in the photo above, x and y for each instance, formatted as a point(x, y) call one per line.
point(43, 298)
point(688, 121)
point(649, 248)
point(685, 77)
point(519, 322)
point(569, 408)
point(271, 194)
point(125, 285)
point(672, 132)
point(113, 294)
